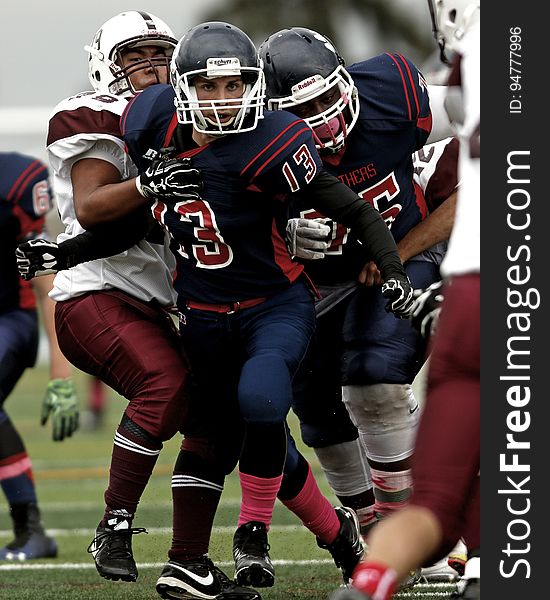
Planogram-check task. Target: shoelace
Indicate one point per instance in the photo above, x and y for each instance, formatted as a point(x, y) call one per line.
point(117, 540)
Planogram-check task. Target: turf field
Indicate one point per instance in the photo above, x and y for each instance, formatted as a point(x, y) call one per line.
point(71, 477)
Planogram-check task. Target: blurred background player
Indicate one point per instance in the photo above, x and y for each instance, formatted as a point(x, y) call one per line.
point(445, 500)
point(24, 201)
point(367, 121)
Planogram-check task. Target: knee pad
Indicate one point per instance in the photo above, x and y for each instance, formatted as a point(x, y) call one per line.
point(346, 468)
point(137, 433)
point(219, 459)
point(386, 416)
point(265, 390)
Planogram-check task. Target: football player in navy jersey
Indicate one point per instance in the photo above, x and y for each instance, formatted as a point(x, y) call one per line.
point(246, 309)
point(367, 121)
point(24, 201)
point(445, 501)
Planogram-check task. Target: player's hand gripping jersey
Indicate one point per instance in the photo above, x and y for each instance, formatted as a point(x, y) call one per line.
point(24, 201)
point(394, 121)
point(87, 126)
point(228, 242)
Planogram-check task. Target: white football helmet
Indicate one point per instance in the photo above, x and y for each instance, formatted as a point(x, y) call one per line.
point(450, 20)
point(129, 29)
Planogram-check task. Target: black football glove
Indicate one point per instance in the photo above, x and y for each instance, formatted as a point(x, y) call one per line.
point(426, 309)
point(169, 177)
point(39, 257)
point(398, 290)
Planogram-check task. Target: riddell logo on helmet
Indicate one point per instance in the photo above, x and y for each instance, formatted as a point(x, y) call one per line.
point(306, 83)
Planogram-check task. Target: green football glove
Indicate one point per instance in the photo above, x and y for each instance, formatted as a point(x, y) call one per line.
point(62, 402)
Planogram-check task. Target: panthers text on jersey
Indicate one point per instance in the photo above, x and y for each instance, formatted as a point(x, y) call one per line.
point(24, 201)
point(87, 126)
point(228, 244)
point(394, 121)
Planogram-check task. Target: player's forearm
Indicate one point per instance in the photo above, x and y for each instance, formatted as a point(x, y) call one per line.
point(109, 203)
point(435, 228)
point(106, 239)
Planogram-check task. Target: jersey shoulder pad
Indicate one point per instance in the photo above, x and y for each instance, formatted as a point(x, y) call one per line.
point(390, 84)
point(86, 113)
point(278, 135)
point(145, 121)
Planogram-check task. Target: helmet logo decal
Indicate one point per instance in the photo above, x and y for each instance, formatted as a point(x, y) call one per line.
point(326, 42)
point(220, 66)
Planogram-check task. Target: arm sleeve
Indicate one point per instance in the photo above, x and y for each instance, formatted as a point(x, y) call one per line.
point(332, 198)
point(107, 239)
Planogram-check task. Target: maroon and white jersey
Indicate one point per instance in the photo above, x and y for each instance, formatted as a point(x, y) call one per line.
point(435, 178)
point(436, 171)
point(463, 255)
point(87, 126)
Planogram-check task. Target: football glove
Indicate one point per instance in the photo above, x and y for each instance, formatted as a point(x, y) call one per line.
point(169, 177)
point(426, 309)
point(308, 238)
point(398, 290)
point(39, 257)
point(62, 403)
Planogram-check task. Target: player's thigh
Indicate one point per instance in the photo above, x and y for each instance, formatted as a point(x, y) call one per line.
point(447, 453)
point(281, 327)
point(317, 388)
point(105, 336)
point(18, 347)
point(379, 347)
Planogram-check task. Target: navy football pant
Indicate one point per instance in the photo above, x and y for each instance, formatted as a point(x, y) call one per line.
point(356, 343)
point(244, 363)
point(18, 350)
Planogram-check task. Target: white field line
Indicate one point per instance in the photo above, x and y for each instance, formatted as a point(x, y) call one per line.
point(157, 530)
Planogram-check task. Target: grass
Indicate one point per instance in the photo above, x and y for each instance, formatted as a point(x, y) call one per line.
point(71, 477)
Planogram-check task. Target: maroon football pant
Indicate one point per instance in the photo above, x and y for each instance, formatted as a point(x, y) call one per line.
point(446, 459)
point(132, 347)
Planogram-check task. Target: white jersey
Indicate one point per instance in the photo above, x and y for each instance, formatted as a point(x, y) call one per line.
point(87, 126)
point(463, 255)
point(435, 173)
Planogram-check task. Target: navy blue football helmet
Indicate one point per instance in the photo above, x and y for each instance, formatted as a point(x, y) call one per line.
point(210, 50)
point(300, 65)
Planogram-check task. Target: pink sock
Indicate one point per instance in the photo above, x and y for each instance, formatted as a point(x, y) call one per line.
point(374, 579)
point(315, 511)
point(258, 498)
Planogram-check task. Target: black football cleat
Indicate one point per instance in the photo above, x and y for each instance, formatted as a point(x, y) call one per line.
point(347, 549)
point(250, 552)
point(200, 579)
point(111, 549)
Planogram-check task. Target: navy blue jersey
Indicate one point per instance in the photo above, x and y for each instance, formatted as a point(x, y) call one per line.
point(24, 200)
point(394, 121)
point(228, 244)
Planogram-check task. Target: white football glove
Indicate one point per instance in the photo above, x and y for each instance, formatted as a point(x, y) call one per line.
point(398, 290)
point(308, 238)
point(426, 309)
